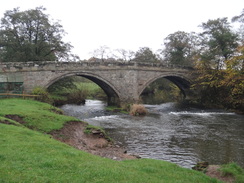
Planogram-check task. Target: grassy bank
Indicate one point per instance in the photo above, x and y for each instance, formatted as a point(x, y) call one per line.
point(38, 116)
point(28, 155)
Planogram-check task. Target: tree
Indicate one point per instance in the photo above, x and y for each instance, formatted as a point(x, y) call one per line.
point(240, 19)
point(219, 42)
point(223, 87)
point(220, 66)
point(180, 48)
point(102, 53)
point(124, 55)
point(30, 36)
point(145, 54)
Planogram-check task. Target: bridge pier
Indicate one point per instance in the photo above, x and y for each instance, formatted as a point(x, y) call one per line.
point(113, 101)
point(128, 101)
point(123, 100)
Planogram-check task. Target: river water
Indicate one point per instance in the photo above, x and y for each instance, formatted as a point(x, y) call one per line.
point(181, 135)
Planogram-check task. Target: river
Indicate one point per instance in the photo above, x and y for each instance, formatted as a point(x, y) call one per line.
point(181, 135)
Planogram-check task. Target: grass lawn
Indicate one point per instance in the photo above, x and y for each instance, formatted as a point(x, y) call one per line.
point(37, 115)
point(27, 155)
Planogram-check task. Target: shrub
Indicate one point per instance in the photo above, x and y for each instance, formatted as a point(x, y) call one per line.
point(77, 97)
point(138, 110)
point(43, 95)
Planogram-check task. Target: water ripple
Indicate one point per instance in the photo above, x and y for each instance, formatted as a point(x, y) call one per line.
point(179, 135)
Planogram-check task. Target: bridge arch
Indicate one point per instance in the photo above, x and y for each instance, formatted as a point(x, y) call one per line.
point(181, 82)
point(108, 88)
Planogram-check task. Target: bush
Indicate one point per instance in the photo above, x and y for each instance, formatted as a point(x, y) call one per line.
point(77, 97)
point(138, 110)
point(44, 96)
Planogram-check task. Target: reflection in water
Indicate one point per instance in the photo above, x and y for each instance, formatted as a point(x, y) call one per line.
point(177, 134)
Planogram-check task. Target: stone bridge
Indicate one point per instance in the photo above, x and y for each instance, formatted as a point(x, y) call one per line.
point(123, 82)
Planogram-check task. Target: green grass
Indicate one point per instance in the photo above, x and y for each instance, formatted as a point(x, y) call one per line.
point(37, 115)
point(9, 121)
point(31, 156)
point(87, 85)
point(92, 89)
point(232, 169)
point(116, 109)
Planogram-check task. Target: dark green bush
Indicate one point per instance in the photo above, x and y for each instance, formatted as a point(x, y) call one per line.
point(44, 96)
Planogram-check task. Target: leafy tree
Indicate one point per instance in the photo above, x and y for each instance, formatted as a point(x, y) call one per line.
point(145, 54)
point(223, 87)
point(219, 42)
point(221, 66)
point(30, 36)
point(180, 48)
point(234, 80)
point(240, 19)
point(66, 83)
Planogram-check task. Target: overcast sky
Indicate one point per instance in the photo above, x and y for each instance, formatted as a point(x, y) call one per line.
point(127, 24)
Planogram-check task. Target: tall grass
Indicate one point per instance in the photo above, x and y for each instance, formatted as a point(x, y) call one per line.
point(138, 110)
point(92, 90)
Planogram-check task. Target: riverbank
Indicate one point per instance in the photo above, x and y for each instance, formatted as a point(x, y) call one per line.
point(29, 151)
point(73, 134)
